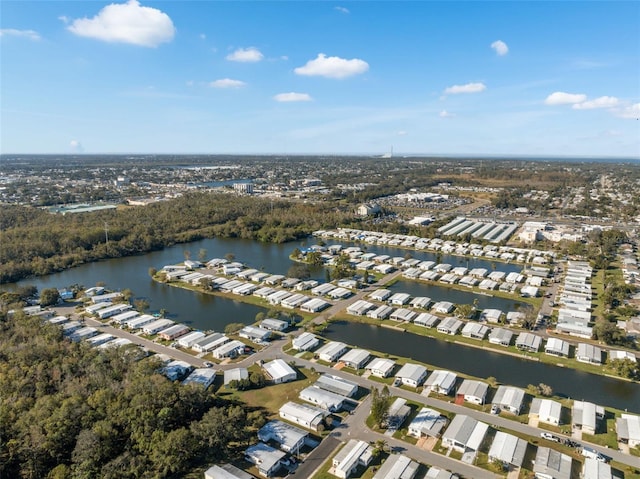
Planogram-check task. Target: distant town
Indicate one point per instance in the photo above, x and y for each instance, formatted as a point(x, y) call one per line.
point(371, 264)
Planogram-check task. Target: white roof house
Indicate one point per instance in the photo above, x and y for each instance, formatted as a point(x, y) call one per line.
point(279, 371)
point(473, 391)
point(548, 411)
point(331, 351)
point(397, 466)
point(288, 437)
point(426, 319)
point(380, 294)
point(315, 305)
point(210, 342)
point(381, 367)
point(174, 331)
point(557, 347)
point(594, 469)
point(551, 464)
point(175, 369)
point(440, 381)
point(228, 350)
point(274, 324)
point(464, 433)
point(381, 312)
point(226, 471)
point(500, 336)
point(449, 326)
point(360, 307)
point(265, 457)
point(586, 415)
point(355, 358)
point(443, 307)
point(491, 315)
point(254, 333)
point(628, 428)
point(353, 454)
point(436, 473)
point(528, 342)
point(100, 339)
point(509, 398)
point(403, 314)
point(302, 414)
point(397, 413)
point(399, 299)
point(305, 342)
point(157, 326)
point(474, 330)
point(188, 340)
point(427, 422)
point(235, 374)
point(320, 397)
point(412, 374)
point(337, 385)
point(203, 376)
point(619, 354)
point(508, 449)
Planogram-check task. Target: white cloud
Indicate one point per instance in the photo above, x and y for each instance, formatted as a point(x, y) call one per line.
point(602, 102)
point(76, 146)
point(245, 55)
point(446, 114)
point(333, 67)
point(402, 133)
point(227, 83)
point(342, 10)
point(468, 88)
point(630, 112)
point(500, 47)
point(563, 98)
point(202, 36)
point(12, 32)
point(291, 97)
point(127, 23)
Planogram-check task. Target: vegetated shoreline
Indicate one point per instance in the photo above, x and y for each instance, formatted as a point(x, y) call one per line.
point(558, 362)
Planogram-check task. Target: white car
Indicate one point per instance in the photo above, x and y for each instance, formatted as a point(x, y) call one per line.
point(549, 437)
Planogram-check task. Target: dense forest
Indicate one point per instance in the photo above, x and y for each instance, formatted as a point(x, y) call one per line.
point(69, 411)
point(35, 242)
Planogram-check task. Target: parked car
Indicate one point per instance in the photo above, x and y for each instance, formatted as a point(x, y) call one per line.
point(495, 409)
point(549, 437)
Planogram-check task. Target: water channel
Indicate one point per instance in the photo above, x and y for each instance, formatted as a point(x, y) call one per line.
point(483, 363)
point(202, 311)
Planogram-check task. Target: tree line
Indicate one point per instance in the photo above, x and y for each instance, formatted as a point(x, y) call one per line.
point(35, 242)
point(71, 411)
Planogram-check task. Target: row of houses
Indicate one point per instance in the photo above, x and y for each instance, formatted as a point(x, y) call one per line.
point(574, 314)
point(505, 253)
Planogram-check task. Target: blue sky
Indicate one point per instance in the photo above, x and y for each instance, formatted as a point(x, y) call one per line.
point(486, 78)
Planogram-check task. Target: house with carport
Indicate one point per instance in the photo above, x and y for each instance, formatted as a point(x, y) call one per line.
point(355, 453)
point(428, 422)
point(473, 391)
point(278, 371)
point(586, 415)
point(266, 458)
point(412, 374)
point(546, 410)
point(509, 398)
point(303, 414)
point(289, 438)
point(508, 449)
point(440, 382)
point(381, 367)
point(464, 433)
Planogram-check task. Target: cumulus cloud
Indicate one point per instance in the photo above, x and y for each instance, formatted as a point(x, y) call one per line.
point(446, 114)
point(563, 98)
point(76, 146)
point(127, 23)
point(12, 32)
point(245, 55)
point(291, 97)
point(227, 83)
point(602, 102)
point(468, 88)
point(332, 67)
point(500, 47)
point(629, 112)
point(342, 10)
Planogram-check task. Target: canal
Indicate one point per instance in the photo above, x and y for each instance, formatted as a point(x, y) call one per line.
point(483, 363)
point(202, 311)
